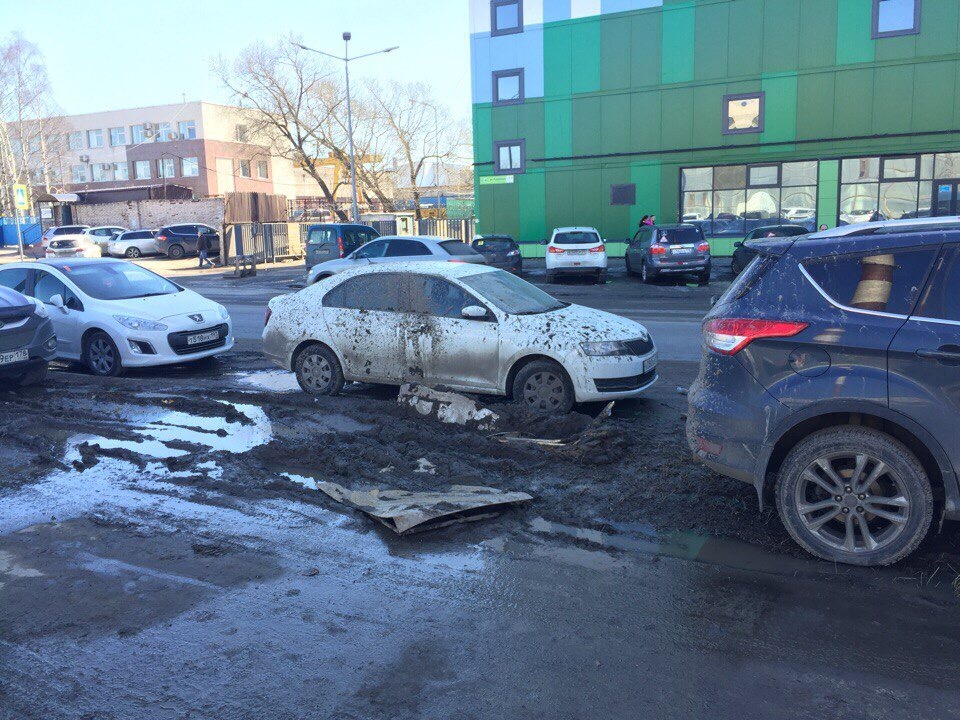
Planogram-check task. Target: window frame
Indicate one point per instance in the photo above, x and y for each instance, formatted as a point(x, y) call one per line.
point(760, 95)
point(916, 172)
point(191, 126)
point(162, 164)
point(74, 180)
point(497, 145)
point(496, 31)
point(776, 184)
point(630, 188)
point(195, 165)
point(75, 135)
point(511, 72)
point(95, 132)
point(877, 34)
point(266, 170)
point(240, 162)
point(136, 172)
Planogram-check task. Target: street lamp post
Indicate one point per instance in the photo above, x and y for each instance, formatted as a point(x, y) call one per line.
point(346, 60)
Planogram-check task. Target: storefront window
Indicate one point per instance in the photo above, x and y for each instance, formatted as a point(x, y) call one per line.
point(860, 170)
point(858, 203)
point(948, 166)
point(898, 200)
point(744, 197)
point(892, 188)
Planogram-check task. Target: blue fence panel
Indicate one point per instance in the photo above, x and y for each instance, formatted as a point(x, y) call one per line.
point(30, 227)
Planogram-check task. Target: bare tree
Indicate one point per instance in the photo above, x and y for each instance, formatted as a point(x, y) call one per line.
point(293, 95)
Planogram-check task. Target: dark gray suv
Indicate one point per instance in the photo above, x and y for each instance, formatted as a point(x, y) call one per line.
point(668, 250)
point(830, 380)
point(27, 342)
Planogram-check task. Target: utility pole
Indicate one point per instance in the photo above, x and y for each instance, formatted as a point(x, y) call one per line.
point(346, 60)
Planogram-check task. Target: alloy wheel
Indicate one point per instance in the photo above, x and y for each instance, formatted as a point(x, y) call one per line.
point(543, 391)
point(133, 252)
point(852, 502)
point(102, 356)
point(316, 372)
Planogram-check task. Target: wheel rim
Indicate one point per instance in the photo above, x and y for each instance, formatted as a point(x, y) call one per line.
point(853, 502)
point(102, 357)
point(643, 271)
point(544, 391)
point(316, 373)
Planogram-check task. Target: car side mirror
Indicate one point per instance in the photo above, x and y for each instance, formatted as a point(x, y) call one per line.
point(544, 242)
point(474, 312)
point(57, 302)
point(738, 243)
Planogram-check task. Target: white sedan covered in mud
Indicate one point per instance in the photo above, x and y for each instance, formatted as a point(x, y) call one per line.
point(466, 327)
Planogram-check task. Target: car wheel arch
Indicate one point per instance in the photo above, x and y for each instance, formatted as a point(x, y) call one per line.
point(308, 342)
point(518, 363)
point(927, 449)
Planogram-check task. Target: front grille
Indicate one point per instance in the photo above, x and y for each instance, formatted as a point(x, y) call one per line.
point(178, 340)
point(625, 384)
point(639, 346)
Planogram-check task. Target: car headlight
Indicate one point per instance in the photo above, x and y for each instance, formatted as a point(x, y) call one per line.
point(41, 309)
point(224, 315)
point(605, 348)
point(135, 323)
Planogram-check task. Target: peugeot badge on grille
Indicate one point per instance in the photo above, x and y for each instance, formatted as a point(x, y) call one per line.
point(198, 318)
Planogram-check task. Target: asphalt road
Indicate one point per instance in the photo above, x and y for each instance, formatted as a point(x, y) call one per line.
point(671, 309)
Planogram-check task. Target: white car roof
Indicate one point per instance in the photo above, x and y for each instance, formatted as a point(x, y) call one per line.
point(576, 229)
point(430, 267)
point(890, 224)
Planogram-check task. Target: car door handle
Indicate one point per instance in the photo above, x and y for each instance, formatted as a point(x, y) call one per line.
point(946, 354)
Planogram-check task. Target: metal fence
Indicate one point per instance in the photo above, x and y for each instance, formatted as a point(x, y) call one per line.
point(264, 242)
point(462, 230)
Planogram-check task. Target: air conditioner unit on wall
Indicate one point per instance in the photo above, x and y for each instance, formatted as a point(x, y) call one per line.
point(148, 128)
point(174, 136)
point(84, 158)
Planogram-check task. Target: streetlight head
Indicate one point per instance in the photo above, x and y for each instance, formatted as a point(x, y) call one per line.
point(347, 36)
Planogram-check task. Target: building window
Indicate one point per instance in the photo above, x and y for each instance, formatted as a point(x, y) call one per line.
point(163, 132)
point(506, 17)
point(895, 17)
point(75, 140)
point(510, 157)
point(262, 169)
point(138, 134)
point(189, 167)
point(99, 172)
point(623, 194)
point(121, 171)
point(241, 133)
point(95, 138)
point(141, 170)
point(165, 168)
point(187, 129)
point(244, 168)
point(890, 188)
point(508, 87)
point(118, 136)
point(732, 200)
point(78, 173)
point(743, 113)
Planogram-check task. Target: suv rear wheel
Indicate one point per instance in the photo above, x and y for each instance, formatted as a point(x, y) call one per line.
point(175, 252)
point(854, 495)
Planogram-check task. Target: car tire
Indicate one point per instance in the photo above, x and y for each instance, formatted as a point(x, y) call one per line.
point(318, 370)
point(551, 277)
point(34, 377)
point(630, 270)
point(175, 252)
point(704, 277)
point(735, 267)
point(543, 386)
point(646, 276)
point(602, 277)
point(101, 356)
point(901, 491)
point(133, 253)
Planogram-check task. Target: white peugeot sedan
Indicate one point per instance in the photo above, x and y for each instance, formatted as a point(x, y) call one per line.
point(113, 314)
point(576, 251)
point(468, 327)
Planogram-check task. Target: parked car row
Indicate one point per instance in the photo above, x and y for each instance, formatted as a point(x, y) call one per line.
point(174, 241)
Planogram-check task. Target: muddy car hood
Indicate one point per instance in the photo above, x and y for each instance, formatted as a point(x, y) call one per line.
point(162, 307)
point(577, 324)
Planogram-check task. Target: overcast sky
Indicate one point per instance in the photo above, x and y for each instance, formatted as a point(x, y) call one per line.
point(108, 54)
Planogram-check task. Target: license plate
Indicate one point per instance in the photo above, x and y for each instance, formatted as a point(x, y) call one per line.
point(682, 251)
point(203, 337)
point(577, 252)
point(14, 356)
point(650, 363)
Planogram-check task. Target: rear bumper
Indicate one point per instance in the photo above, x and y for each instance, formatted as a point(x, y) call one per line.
point(577, 270)
point(683, 266)
point(41, 351)
point(728, 417)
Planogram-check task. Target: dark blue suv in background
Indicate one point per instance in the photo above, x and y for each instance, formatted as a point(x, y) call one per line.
point(830, 380)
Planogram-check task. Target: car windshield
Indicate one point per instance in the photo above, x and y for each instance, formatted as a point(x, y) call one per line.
point(118, 281)
point(511, 294)
point(576, 238)
point(679, 236)
point(493, 245)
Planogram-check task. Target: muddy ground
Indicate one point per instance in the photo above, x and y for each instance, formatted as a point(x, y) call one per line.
point(138, 512)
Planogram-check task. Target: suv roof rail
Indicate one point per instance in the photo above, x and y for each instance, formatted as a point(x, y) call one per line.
point(871, 228)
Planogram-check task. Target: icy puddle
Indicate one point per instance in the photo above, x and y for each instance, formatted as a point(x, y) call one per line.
point(277, 381)
point(161, 434)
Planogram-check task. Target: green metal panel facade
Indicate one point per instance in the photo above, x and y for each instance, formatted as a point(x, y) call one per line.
point(634, 96)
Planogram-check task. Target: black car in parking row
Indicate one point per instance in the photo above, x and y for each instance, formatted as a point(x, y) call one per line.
point(500, 251)
point(177, 241)
point(830, 380)
point(743, 253)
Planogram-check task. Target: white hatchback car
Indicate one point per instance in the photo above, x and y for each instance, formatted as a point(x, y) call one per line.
point(113, 314)
point(576, 251)
point(468, 327)
point(102, 235)
point(133, 244)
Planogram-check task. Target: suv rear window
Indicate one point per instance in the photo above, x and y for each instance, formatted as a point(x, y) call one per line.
point(455, 247)
point(888, 281)
point(576, 238)
point(680, 236)
point(492, 245)
point(322, 236)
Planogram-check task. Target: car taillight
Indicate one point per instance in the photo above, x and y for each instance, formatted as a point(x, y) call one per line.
point(161, 238)
point(266, 318)
point(554, 249)
point(728, 336)
point(598, 248)
point(340, 245)
point(703, 247)
point(658, 250)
